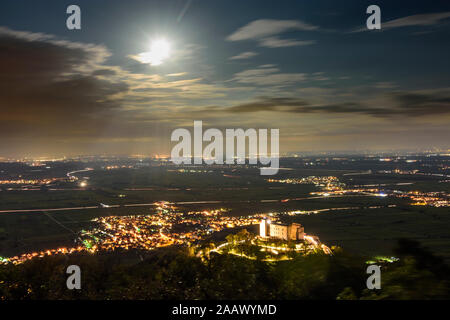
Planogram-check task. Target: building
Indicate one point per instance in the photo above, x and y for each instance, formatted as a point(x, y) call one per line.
point(293, 231)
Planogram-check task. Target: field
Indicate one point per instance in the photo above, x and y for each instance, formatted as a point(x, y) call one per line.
point(362, 224)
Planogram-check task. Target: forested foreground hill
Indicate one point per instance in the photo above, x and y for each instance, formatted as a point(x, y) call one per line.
point(174, 273)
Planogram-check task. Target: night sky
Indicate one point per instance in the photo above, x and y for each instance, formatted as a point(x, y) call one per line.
point(309, 68)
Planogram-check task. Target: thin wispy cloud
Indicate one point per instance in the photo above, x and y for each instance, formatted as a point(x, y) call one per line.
point(397, 104)
point(266, 32)
point(268, 76)
point(428, 19)
point(417, 20)
point(244, 55)
point(274, 42)
point(179, 74)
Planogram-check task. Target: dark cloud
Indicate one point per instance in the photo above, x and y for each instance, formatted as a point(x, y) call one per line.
point(405, 104)
point(104, 72)
point(293, 105)
point(271, 104)
point(50, 87)
point(415, 104)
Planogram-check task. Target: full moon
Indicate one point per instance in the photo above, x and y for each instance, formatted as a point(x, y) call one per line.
point(159, 51)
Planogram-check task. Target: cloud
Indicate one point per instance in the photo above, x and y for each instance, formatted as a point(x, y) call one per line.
point(104, 72)
point(266, 32)
point(319, 76)
point(414, 20)
point(244, 55)
point(51, 87)
point(270, 104)
point(417, 20)
point(398, 104)
point(422, 103)
point(178, 74)
point(263, 28)
point(292, 105)
point(268, 75)
point(274, 42)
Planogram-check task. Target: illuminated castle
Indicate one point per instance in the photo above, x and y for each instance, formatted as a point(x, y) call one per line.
point(293, 231)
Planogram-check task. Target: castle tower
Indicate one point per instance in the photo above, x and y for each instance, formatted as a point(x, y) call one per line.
point(262, 228)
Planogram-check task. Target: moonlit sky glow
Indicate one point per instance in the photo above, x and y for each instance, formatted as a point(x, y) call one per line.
point(159, 51)
point(139, 69)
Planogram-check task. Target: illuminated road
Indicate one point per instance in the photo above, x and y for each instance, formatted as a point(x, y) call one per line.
point(41, 210)
point(176, 203)
point(71, 174)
